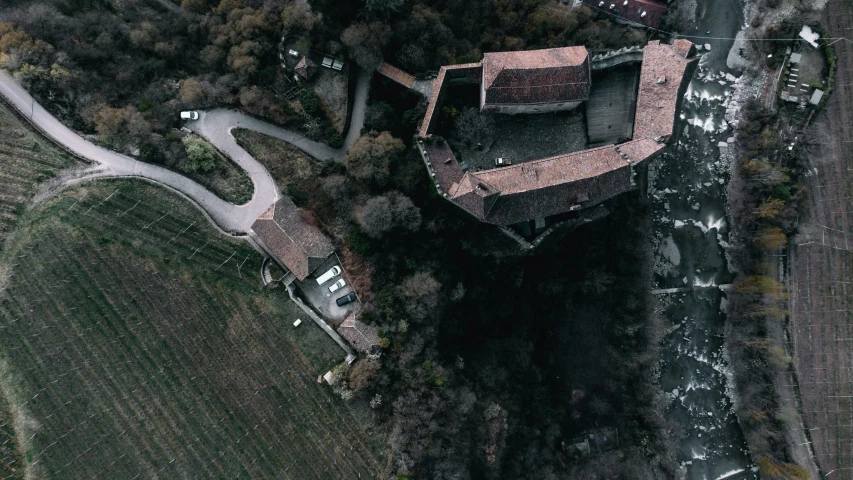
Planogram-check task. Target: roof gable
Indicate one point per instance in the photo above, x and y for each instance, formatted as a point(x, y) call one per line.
point(662, 77)
point(536, 76)
point(291, 237)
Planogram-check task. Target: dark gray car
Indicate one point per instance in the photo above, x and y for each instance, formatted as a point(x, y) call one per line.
point(348, 298)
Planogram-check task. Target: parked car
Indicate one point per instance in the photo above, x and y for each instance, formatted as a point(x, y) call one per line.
point(337, 285)
point(330, 274)
point(191, 115)
point(348, 298)
point(502, 161)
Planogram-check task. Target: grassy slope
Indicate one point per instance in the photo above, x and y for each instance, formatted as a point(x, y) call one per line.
point(229, 181)
point(145, 345)
point(286, 163)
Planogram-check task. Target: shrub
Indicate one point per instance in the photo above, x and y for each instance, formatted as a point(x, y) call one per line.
point(310, 102)
point(200, 155)
point(151, 153)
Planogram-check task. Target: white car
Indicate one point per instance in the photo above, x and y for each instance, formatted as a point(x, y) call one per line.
point(330, 274)
point(337, 285)
point(191, 115)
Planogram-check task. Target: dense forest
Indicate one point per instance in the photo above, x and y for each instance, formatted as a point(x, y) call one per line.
point(494, 361)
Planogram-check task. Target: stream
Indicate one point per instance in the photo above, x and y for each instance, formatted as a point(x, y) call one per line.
point(687, 185)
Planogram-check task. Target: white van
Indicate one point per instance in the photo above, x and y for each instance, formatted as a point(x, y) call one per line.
point(191, 115)
point(338, 285)
point(332, 273)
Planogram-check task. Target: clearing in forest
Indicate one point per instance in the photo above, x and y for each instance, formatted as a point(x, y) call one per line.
point(142, 343)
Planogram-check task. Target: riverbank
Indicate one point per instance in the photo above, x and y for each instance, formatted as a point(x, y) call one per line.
point(764, 385)
point(688, 187)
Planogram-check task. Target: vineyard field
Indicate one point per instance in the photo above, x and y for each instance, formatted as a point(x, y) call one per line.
point(142, 343)
point(26, 160)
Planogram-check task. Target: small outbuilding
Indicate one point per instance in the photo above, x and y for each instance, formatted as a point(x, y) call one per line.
point(306, 68)
point(817, 96)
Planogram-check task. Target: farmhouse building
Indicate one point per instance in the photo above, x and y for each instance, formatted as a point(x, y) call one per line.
point(535, 81)
point(536, 190)
point(291, 239)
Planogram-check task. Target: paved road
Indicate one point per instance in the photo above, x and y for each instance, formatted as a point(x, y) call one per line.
point(215, 126)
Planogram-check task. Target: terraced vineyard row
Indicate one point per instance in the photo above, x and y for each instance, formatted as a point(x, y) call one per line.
point(144, 345)
point(26, 160)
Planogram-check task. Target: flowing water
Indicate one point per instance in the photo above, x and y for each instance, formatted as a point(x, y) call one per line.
point(688, 186)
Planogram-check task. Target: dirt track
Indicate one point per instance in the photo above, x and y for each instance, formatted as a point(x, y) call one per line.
point(821, 271)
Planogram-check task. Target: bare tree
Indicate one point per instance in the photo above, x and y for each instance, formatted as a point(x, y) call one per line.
point(365, 42)
point(473, 127)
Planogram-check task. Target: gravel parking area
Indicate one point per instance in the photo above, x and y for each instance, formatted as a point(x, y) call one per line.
point(319, 297)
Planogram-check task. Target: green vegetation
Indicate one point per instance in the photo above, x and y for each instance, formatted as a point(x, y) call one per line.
point(318, 126)
point(11, 460)
point(143, 343)
point(200, 155)
point(286, 163)
point(26, 160)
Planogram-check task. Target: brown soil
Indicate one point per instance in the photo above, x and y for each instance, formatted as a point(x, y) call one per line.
point(820, 272)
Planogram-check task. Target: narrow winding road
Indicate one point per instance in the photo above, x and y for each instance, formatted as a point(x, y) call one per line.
point(215, 126)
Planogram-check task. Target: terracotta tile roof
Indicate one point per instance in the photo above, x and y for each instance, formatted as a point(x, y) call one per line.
point(662, 79)
point(306, 68)
point(632, 10)
point(298, 244)
point(640, 150)
point(444, 164)
point(683, 47)
point(552, 171)
point(360, 335)
point(396, 74)
point(536, 76)
point(556, 199)
point(448, 71)
point(475, 195)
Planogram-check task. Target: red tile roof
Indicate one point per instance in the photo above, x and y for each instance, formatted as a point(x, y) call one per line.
point(288, 235)
point(360, 335)
point(306, 68)
point(447, 71)
point(536, 76)
point(540, 188)
point(444, 164)
point(683, 47)
point(643, 12)
point(662, 79)
point(640, 150)
point(394, 73)
point(547, 172)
